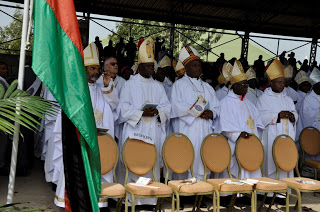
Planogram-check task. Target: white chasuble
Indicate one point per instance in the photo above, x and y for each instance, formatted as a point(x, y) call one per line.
point(185, 92)
point(134, 93)
point(238, 115)
point(270, 104)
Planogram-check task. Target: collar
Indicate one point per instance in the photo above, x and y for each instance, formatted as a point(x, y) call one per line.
point(236, 96)
point(271, 93)
point(168, 81)
point(91, 84)
point(142, 79)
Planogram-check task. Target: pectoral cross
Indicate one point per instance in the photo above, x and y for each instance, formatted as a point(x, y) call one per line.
point(250, 123)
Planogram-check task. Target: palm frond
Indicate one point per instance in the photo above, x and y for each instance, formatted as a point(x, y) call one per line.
point(18, 106)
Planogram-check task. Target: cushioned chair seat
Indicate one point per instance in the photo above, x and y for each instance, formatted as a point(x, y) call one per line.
point(293, 183)
point(219, 185)
point(145, 191)
point(198, 187)
point(313, 163)
point(268, 186)
point(112, 189)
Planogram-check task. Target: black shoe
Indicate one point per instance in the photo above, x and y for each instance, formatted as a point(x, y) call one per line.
point(244, 200)
point(280, 201)
point(181, 205)
point(268, 200)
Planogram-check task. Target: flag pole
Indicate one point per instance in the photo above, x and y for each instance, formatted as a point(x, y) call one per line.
point(15, 142)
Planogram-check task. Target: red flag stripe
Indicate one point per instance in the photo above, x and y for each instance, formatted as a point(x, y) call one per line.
point(67, 18)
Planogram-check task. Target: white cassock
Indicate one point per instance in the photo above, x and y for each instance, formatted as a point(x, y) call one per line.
point(253, 94)
point(222, 92)
point(135, 92)
point(302, 95)
point(48, 140)
point(238, 116)
point(104, 119)
point(167, 84)
point(185, 91)
point(309, 116)
point(292, 94)
point(4, 83)
point(270, 104)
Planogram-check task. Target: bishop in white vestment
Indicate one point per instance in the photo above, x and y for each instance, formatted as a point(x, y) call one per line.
point(238, 118)
point(147, 125)
point(278, 114)
point(194, 105)
point(309, 115)
point(102, 113)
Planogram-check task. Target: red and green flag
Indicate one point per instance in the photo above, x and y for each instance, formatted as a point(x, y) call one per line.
point(58, 62)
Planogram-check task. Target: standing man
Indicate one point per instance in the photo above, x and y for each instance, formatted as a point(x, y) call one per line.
point(141, 89)
point(253, 91)
point(288, 73)
point(238, 118)
point(110, 67)
point(4, 74)
point(222, 92)
point(102, 113)
point(278, 115)
point(165, 66)
point(309, 115)
point(304, 86)
point(194, 105)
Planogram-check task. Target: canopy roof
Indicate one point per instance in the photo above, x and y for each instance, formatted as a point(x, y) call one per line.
point(289, 18)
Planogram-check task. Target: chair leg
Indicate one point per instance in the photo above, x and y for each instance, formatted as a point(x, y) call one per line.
point(195, 203)
point(214, 207)
point(232, 202)
point(133, 203)
point(272, 201)
point(177, 201)
point(126, 205)
point(253, 201)
point(287, 201)
point(218, 201)
point(199, 202)
point(172, 203)
point(158, 204)
point(262, 202)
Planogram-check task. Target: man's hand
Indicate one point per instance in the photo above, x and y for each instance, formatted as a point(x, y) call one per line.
point(106, 79)
point(150, 112)
point(244, 135)
point(207, 114)
point(286, 115)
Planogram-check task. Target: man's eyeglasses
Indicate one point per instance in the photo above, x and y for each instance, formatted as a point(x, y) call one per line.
point(113, 63)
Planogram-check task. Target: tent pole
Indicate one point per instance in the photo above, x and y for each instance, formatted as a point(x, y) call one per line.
point(15, 142)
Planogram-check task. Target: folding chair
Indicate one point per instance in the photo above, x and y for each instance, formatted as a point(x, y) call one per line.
point(216, 156)
point(140, 158)
point(285, 155)
point(310, 145)
point(109, 155)
point(250, 156)
point(178, 156)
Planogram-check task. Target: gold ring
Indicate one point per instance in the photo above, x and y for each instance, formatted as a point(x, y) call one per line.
point(155, 114)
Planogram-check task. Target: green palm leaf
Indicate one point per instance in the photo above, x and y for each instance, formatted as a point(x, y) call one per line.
point(18, 106)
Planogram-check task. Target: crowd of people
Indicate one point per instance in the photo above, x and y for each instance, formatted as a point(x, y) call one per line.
point(241, 101)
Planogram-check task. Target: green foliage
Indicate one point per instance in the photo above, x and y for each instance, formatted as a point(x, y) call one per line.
point(137, 31)
point(11, 32)
point(29, 108)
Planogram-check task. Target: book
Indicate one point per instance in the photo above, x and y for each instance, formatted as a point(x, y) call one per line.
point(147, 105)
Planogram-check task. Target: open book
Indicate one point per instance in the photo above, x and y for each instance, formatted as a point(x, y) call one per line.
point(147, 105)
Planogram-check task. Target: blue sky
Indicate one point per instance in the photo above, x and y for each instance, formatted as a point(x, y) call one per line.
point(96, 30)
